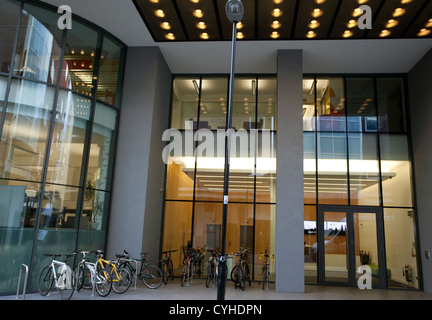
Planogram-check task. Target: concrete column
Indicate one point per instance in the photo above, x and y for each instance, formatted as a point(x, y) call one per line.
point(420, 99)
point(137, 201)
point(289, 255)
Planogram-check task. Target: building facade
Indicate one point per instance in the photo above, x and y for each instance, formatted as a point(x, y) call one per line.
point(113, 141)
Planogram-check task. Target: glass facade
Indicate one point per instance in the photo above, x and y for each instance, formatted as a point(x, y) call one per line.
point(59, 106)
point(195, 172)
point(356, 154)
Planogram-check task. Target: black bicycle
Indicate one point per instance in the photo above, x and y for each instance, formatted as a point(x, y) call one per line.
point(240, 274)
point(167, 266)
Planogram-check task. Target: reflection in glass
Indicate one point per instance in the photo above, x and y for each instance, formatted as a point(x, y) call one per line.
point(244, 104)
point(79, 59)
point(109, 72)
point(9, 15)
point(267, 99)
point(309, 168)
point(391, 107)
point(364, 178)
point(69, 135)
point(396, 171)
point(185, 97)
point(25, 131)
point(95, 211)
point(309, 104)
point(102, 147)
point(39, 45)
point(310, 244)
point(335, 247)
point(214, 104)
point(3, 84)
point(401, 252)
point(265, 238)
point(332, 168)
point(330, 104)
point(265, 166)
point(361, 110)
point(18, 213)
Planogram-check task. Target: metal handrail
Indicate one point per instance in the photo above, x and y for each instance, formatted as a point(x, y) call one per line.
point(25, 281)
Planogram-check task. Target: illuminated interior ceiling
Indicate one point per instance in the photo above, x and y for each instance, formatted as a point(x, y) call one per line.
point(205, 20)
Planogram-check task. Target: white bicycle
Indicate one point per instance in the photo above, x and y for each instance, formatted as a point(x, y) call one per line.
point(57, 275)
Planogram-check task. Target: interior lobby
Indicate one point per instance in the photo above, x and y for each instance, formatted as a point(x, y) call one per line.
point(328, 164)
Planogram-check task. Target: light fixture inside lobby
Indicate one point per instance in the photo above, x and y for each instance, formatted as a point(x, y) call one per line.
point(170, 36)
point(159, 13)
point(423, 32)
point(198, 13)
point(311, 34)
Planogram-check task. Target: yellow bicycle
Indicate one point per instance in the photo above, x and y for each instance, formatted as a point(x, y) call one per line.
point(120, 278)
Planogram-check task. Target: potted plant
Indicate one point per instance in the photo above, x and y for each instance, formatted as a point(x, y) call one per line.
point(96, 206)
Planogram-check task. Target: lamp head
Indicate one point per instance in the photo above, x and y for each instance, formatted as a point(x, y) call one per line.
point(234, 10)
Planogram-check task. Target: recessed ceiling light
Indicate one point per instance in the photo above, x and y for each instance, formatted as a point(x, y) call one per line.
point(357, 12)
point(201, 25)
point(165, 25)
point(276, 24)
point(275, 35)
point(311, 34)
point(240, 25)
point(317, 12)
point(384, 33)
point(399, 12)
point(392, 23)
point(314, 24)
point(198, 13)
point(406, 1)
point(154, 1)
point(429, 23)
point(170, 36)
point(363, 1)
point(204, 35)
point(159, 13)
point(352, 23)
point(195, 1)
point(277, 1)
point(320, 1)
point(347, 34)
point(240, 35)
point(276, 12)
point(423, 32)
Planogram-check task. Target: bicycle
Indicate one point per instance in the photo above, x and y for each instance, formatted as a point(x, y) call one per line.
point(265, 269)
point(240, 274)
point(121, 278)
point(167, 266)
point(88, 277)
point(63, 278)
point(149, 274)
point(212, 268)
point(187, 272)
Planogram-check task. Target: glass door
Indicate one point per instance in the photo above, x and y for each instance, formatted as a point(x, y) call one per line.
point(350, 243)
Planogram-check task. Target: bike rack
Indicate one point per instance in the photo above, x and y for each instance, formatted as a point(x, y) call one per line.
point(25, 281)
point(136, 269)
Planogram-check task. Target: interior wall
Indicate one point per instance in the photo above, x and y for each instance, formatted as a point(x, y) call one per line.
point(420, 96)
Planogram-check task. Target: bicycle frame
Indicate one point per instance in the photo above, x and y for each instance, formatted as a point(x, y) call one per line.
point(66, 272)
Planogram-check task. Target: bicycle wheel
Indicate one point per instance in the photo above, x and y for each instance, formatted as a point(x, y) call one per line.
point(264, 277)
point(122, 280)
point(211, 272)
point(240, 278)
point(151, 276)
point(234, 274)
point(66, 285)
point(246, 273)
point(103, 283)
point(83, 277)
point(46, 280)
point(171, 269)
point(165, 272)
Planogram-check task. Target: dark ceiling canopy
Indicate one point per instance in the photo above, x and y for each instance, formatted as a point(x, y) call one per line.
point(205, 20)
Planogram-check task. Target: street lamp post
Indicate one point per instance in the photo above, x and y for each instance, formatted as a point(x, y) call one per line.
point(234, 11)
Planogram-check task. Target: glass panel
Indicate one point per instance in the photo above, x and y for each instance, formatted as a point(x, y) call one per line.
point(364, 169)
point(39, 45)
point(214, 105)
point(396, 171)
point(332, 168)
point(391, 106)
point(79, 59)
point(267, 99)
point(177, 230)
point(244, 104)
point(309, 104)
point(335, 247)
point(3, 84)
point(185, 98)
point(69, 135)
point(25, 132)
point(9, 15)
point(366, 244)
point(265, 237)
point(18, 209)
point(330, 101)
point(102, 147)
point(309, 168)
point(310, 245)
point(109, 72)
point(401, 254)
point(361, 108)
point(266, 167)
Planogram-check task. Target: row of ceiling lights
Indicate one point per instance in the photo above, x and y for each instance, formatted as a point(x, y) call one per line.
point(316, 13)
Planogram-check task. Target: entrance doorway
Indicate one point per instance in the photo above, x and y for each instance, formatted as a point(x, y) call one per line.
point(349, 237)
